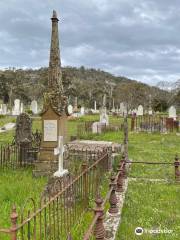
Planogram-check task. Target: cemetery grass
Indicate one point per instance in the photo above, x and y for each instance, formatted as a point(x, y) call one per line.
point(150, 205)
point(147, 204)
point(16, 187)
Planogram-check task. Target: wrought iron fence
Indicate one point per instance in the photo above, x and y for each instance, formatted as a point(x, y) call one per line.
point(16, 156)
point(116, 185)
point(56, 215)
point(148, 123)
point(85, 128)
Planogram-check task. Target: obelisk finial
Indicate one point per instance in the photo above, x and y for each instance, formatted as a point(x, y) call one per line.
point(54, 16)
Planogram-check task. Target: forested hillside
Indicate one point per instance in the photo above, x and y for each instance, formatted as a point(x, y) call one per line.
point(87, 84)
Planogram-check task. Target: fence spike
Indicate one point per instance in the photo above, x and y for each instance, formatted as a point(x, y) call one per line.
point(69, 237)
point(119, 187)
point(14, 217)
point(99, 230)
point(113, 199)
point(177, 170)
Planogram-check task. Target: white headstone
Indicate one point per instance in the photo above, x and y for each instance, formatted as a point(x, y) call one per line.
point(82, 111)
point(1, 110)
point(123, 109)
point(150, 112)
point(95, 107)
point(104, 119)
point(16, 109)
point(70, 109)
point(172, 112)
point(4, 109)
point(130, 112)
point(140, 110)
point(34, 107)
point(96, 127)
point(21, 108)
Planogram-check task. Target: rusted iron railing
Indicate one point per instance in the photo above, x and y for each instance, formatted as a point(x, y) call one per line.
point(176, 165)
point(116, 185)
point(16, 156)
point(159, 123)
point(85, 128)
point(56, 215)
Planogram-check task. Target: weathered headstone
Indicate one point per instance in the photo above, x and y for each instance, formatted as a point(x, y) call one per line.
point(34, 107)
point(140, 110)
point(23, 137)
point(54, 115)
point(172, 112)
point(23, 128)
point(75, 109)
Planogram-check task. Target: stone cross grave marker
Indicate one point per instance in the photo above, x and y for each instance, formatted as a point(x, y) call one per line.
point(59, 152)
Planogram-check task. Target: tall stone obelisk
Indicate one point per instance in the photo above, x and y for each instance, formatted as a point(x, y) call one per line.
point(54, 116)
point(55, 95)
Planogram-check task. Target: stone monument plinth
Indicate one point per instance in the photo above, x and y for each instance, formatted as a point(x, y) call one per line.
point(54, 115)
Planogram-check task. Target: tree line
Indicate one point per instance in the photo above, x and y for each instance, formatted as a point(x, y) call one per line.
point(88, 85)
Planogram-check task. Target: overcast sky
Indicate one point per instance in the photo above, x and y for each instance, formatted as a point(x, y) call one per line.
point(139, 39)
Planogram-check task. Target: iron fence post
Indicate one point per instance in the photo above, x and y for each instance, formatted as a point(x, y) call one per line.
point(13, 229)
point(132, 123)
point(123, 161)
point(119, 187)
point(109, 159)
point(99, 230)
point(69, 237)
point(85, 183)
point(177, 171)
point(113, 199)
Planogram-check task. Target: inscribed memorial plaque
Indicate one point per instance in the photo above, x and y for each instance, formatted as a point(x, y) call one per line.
point(50, 130)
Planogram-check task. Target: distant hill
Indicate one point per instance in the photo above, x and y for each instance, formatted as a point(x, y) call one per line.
point(87, 84)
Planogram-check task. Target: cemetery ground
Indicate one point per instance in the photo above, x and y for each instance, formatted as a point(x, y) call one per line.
point(152, 199)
